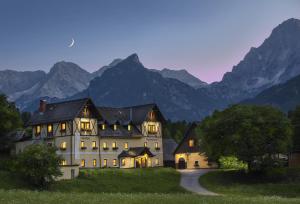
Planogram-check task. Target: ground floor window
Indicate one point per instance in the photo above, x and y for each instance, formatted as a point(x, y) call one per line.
point(94, 162)
point(83, 163)
point(105, 163)
point(115, 162)
point(156, 161)
point(123, 162)
point(63, 162)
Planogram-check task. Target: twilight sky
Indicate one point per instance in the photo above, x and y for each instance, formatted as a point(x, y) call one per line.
point(205, 37)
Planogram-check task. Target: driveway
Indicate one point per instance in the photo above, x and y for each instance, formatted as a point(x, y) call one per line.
point(190, 181)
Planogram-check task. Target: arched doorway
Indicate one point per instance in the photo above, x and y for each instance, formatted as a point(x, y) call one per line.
point(181, 163)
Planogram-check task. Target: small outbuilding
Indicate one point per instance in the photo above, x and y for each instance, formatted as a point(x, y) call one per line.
point(294, 159)
point(188, 154)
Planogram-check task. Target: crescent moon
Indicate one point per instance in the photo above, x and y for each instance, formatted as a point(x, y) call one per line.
point(72, 43)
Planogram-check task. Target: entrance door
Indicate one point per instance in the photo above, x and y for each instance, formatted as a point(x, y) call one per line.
point(181, 164)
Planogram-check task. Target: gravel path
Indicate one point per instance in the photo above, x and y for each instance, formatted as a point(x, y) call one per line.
point(190, 181)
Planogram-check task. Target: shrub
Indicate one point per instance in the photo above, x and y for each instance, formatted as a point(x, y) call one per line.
point(231, 162)
point(38, 164)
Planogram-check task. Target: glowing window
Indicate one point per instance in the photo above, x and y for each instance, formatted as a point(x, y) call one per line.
point(114, 144)
point(156, 161)
point(63, 162)
point(145, 144)
point(63, 127)
point(152, 129)
point(103, 126)
point(191, 143)
point(115, 162)
point(82, 144)
point(104, 145)
point(129, 127)
point(94, 144)
point(115, 127)
point(63, 145)
point(94, 162)
point(156, 145)
point(83, 163)
point(123, 162)
point(126, 145)
point(38, 129)
point(105, 163)
point(85, 126)
point(49, 128)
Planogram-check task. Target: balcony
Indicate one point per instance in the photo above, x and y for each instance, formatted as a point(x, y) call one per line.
point(63, 148)
point(157, 148)
point(115, 148)
point(94, 148)
point(105, 148)
point(83, 148)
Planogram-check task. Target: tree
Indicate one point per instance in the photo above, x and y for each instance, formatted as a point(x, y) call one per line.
point(39, 165)
point(9, 120)
point(295, 119)
point(253, 134)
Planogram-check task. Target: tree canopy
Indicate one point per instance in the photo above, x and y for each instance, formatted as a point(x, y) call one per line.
point(253, 134)
point(295, 119)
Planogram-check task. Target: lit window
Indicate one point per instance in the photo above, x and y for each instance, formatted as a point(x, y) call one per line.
point(83, 163)
point(129, 127)
point(38, 130)
point(63, 162)
point(156, 145)
point(85, 111)
point(115, 162)
point(123, 162)
point(114, 145)
point(82, 145)
point(191, 143)
point(156, 161)
point(94, 162)
point(50, 128)
point(63, 127)
point(94, 144)
point(126, 145)
point(115, 127)
point(105, 163)
point(103, 126)
point(145, 144)
point(63, 146)
point(104, 145)
point(85, 126)
point(152, 129)
point(151, 115)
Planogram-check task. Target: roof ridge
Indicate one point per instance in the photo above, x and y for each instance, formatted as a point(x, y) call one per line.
point(125, 107)
point(68, 101)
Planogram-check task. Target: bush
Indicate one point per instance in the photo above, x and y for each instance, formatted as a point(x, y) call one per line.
point(231, 162)
point(38, 164)
point(282, 173)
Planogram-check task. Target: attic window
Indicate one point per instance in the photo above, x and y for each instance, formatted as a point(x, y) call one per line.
point(63, 127)
point(103, 126)
point(115, 127)
point(191, 143)
point(129, 127)
point(152, 115)
point(37, 130)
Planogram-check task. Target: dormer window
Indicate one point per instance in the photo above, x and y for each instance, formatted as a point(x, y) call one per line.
point(37, 130)
point(191, 143)
point(129, 127)
point(103, 127)
point(85, 126)
point(85, 111)
point(63, 127)
point(152, 129)
point(115, 127)
point(49, 128)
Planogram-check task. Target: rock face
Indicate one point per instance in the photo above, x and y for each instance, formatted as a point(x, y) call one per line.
point(130, 83)
point(274, 62)
point(100, 71)
point(183, 76)
point(285, 96)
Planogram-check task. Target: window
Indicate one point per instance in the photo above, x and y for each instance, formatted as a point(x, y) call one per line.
point(105, 145)
point(83, 163)
point(123, 162)
point(63, 146)
point(94, 145)
point(105, 163)
point(38, 130)
point(94, 162)
point(145, 144)
point(115, 162)
point(115, 127)
point(191, 143)
point(114, 145)
point(63, 162)
point(85, 126)
point(103, 126)
point(151, 115)
point(82, 145)
point(156, 145)
point(50, 128)
point(129, 127)
point(156, 161)
point(63, 127)
point(126, 145)
point(85, 111)
point(152, 129)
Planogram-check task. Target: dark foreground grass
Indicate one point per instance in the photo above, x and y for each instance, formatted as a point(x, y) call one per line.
point(236, 183)
point(34, 197)
point(154, 180)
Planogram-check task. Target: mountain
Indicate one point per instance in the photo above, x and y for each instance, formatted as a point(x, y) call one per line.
point(100, 71)
point(285, 96)
point(274, 62)
point(183, 76)
point(130, 83)
point(14, 81)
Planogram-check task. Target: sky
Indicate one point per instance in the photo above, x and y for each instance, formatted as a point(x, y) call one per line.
point(207, 38)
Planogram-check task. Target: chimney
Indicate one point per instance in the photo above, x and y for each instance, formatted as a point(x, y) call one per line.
point(43, 104)
point(130, 114)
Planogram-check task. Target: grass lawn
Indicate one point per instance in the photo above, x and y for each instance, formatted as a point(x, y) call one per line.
point(232, 182)
point(152, 180)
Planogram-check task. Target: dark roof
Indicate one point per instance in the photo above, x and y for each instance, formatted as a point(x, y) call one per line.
point(61, 111)
point(121, 131)
point(134, 114)
point(136, 151)
point(169, 146)
point(183, 146)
